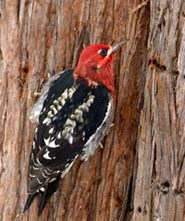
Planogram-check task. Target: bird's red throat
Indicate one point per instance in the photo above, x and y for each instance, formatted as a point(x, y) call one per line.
point(95, 75)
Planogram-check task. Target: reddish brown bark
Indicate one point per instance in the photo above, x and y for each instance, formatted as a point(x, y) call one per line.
point(139, 175)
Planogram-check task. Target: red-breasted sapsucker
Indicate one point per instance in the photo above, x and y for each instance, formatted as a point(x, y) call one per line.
point(73, 113)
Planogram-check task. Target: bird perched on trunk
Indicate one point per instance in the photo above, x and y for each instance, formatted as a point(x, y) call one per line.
point(73, 113)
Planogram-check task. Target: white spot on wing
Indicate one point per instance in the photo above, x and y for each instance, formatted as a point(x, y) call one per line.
point(50, 114)
point(51, 144)
point(46, 121)
point(58, 104)
point(46, 141)
point(83, 135)
point(33, 145)
point(59, 135)
point(58, 171)
point(51, 130)
point(53, 179)
point(43, 174)
point(76, 156)
point(35, 168)
point(42, 189)
point(75, 117)
point(31, 175)
point(70, 140)
point(46, 155)
point(64, 95)
point(39, 181)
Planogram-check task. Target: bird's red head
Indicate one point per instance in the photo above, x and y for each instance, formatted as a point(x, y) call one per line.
point(95, 65)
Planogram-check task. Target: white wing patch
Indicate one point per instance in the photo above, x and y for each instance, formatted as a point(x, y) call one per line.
point(51, 130)
point(70, 124)
point(70, 139)
point(33, 145)
point(51, 144)
point(76, 116)
point(58, 104)
point(46, 141)
point(46, 155)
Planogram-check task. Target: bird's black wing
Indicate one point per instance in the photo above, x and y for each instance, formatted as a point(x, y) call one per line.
point(72, 112)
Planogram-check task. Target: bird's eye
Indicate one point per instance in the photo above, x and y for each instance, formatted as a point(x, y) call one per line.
point(103, 52)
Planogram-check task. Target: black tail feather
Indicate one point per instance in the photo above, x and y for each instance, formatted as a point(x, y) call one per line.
point(29, 201)
point(49, 190)
point(43, 200)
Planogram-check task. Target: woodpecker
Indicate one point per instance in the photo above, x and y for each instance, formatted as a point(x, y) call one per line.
point(74, 113)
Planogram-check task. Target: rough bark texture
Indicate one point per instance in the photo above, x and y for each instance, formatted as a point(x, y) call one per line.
point(160, 171)
point(139, 175)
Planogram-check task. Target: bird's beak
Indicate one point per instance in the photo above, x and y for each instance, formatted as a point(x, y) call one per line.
point(116, 46)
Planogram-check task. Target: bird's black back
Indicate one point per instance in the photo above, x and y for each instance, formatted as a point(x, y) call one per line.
point(71, 114)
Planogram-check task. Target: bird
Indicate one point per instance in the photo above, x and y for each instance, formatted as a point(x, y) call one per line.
point(73, 114)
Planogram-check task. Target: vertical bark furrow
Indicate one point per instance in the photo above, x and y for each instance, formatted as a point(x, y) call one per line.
point(45, 36)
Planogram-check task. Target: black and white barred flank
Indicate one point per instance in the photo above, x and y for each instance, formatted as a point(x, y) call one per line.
point(72, 120)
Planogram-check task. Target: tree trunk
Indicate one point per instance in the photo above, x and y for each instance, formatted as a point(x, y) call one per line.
point(160, 168)
point(139, 174)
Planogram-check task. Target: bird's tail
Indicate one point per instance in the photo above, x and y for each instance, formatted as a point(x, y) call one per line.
point(29, 201)
point(49, 189)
